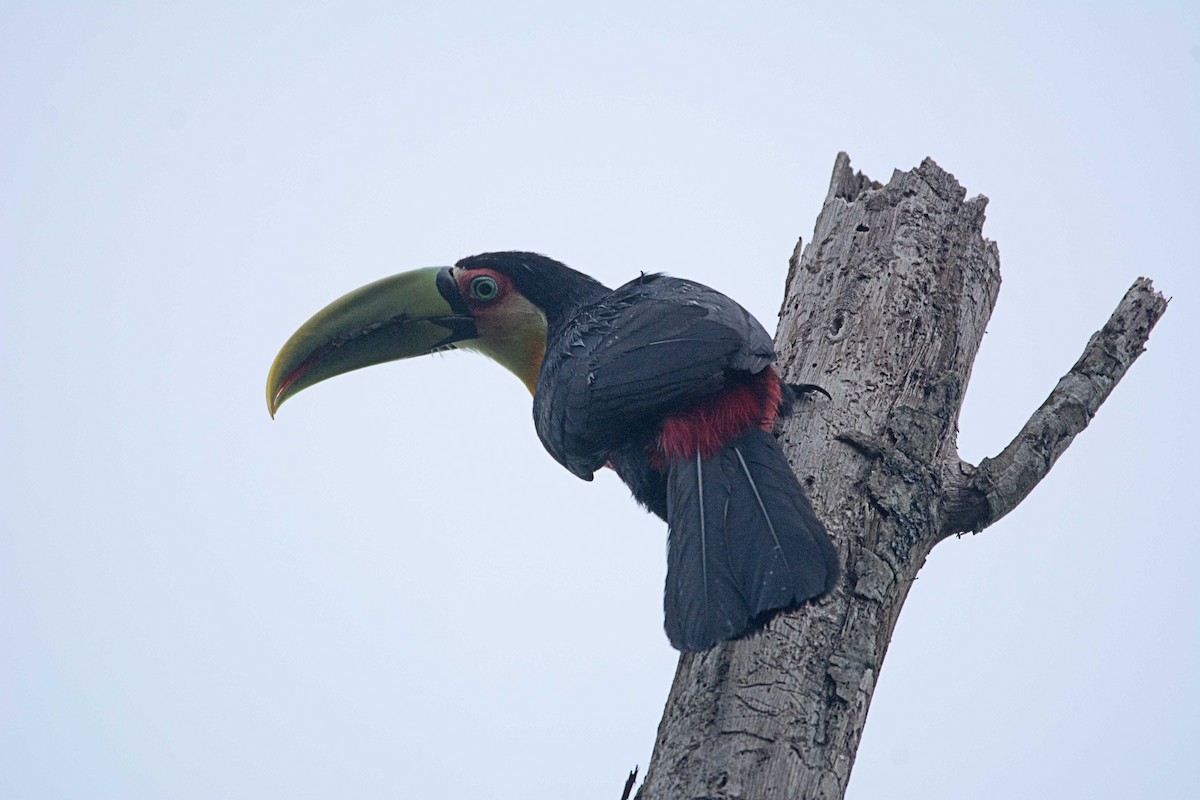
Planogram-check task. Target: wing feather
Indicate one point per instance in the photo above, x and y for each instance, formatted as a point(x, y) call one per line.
point(653, 347)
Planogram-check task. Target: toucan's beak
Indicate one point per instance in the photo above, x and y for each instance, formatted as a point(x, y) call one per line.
point(406, 315)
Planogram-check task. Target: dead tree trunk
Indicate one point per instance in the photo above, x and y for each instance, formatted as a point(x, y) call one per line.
point(885, 309)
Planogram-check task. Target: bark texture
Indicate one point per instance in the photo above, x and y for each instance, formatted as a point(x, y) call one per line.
point(885, 309)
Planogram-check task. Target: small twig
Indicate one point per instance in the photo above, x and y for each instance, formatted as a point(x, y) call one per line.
point(629, 784)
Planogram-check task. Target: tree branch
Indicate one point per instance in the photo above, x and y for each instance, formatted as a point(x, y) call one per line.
point(975, 497)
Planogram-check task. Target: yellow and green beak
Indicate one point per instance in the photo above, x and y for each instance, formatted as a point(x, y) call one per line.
point(406, 315)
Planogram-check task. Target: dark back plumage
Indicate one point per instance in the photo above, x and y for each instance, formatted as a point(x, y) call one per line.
point(623, 363)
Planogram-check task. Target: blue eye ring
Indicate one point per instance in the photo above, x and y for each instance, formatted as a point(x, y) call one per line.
point(484, 289)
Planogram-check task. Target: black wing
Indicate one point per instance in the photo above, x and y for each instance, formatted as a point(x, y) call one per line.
point(651, 348)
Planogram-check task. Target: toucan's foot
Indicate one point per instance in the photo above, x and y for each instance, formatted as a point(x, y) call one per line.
point(802, 389)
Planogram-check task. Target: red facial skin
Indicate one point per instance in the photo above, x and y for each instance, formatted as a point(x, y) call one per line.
point(504, 290)
point(511, 329)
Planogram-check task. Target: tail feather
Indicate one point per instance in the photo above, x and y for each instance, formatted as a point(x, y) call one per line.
point(743, 543)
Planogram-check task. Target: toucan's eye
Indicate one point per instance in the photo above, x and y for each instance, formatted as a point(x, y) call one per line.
point(484, 288)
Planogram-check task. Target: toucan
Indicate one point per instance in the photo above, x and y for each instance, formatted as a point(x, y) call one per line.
point(669, 383)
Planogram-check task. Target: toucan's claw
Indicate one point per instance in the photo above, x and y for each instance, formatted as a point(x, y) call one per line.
point(801, 389)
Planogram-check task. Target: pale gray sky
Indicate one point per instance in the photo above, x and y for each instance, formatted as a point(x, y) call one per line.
point(392, 591)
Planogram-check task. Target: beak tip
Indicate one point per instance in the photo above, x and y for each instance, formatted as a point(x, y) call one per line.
point(272, 400)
